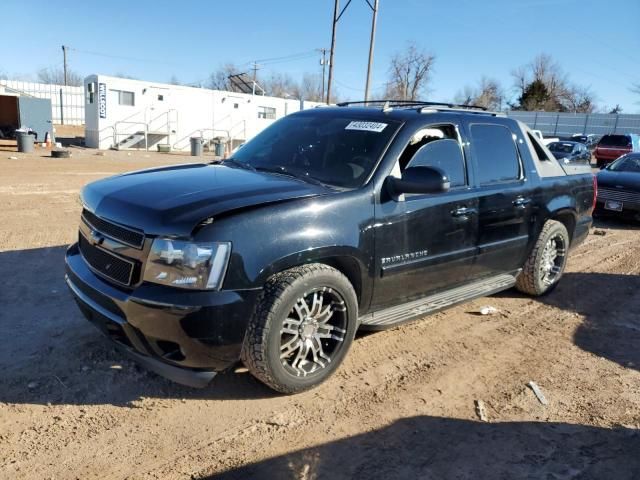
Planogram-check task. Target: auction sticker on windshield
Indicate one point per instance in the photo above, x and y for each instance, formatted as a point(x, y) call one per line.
point(366, 126)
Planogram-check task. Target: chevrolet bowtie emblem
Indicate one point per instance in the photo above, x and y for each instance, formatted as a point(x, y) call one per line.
point(96, 238)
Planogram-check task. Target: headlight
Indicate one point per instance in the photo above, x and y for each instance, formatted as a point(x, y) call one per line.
point(199, 266)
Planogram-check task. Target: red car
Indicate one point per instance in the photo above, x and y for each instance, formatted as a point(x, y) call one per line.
point(611, 147)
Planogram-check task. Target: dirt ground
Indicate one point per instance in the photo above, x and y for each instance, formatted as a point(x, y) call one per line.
point(401, 406)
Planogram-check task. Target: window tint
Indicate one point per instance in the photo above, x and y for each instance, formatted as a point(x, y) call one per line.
point(338, 150)
point(495, 153)
point(616, 141)
point(444, 154)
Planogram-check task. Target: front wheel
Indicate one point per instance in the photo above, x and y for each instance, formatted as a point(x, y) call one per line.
point(302, 328)
point(546, 262)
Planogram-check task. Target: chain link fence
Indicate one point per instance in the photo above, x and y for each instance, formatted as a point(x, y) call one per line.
point(554, 124)
point(67, 103)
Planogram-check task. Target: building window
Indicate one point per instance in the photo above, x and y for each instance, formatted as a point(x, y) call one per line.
point(235, 105)
point(161, 98)
point(125, 98)
point(267, 112)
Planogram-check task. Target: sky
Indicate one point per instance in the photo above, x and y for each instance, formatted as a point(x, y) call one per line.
point(597, 43)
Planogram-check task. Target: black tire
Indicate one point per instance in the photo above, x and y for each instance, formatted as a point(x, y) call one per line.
point(263, 342)
point(532, 279)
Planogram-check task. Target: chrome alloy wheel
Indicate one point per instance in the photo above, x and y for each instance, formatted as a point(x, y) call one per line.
point(313, 332)
point(553, 258)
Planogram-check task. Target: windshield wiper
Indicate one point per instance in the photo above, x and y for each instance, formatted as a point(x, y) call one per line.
point(283, 171)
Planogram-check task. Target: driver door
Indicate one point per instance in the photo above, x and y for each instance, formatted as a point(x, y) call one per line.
point(426, 242)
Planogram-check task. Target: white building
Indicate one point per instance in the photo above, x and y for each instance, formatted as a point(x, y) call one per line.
point(123, 113)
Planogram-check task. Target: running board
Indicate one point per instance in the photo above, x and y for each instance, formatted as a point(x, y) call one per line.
point(409, 311)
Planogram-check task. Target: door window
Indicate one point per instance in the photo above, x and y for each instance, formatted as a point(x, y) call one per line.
point(496, 154)
point(437, 147)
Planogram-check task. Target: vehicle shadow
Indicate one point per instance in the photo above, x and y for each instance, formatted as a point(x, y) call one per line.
point(615, 222)
point(51, 354)
point(611, 329)
point(442, 448)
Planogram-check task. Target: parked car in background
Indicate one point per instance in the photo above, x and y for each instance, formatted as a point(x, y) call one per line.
point(544, 140)
point(613, 146)
point(570, 151)
point(590, 140)
point(619, 187)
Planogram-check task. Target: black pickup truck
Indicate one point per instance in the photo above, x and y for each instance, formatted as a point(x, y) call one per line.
point(330, 220)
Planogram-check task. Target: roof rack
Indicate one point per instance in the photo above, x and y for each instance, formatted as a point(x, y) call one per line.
point(389, 104)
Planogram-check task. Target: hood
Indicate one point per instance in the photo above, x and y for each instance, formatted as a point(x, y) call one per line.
point(625, 180)
point(173, 200)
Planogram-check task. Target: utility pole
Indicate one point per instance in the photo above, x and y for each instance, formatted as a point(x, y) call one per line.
point(64, 56)
point(255, 76)
point(323, 62)
point(371, 45)
point(333, 48)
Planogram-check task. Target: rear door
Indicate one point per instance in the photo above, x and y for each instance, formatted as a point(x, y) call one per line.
point(504, 198)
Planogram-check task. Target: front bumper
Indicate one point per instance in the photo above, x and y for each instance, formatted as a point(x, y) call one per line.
point(629, 209)
point(183, 335)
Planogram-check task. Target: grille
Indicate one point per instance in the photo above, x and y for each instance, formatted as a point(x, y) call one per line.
point(103, 262)
point(121, 234)
point(619, 195)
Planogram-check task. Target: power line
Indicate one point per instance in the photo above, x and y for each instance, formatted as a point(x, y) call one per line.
point(293, 56)
point(120, 57)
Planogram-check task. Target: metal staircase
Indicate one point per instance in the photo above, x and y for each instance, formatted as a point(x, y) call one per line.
point(144, 134)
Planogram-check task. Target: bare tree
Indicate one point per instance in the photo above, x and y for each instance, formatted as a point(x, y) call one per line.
point(311, 88)
point(409, 73)
point(174, 80)
point(280, 85)
point(125, 75)
point(543, 85)
point(55, 76)
point(578, 99)
point(219, 79)
point(488, 94)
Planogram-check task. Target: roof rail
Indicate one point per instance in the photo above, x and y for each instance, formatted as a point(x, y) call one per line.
point(390, 103)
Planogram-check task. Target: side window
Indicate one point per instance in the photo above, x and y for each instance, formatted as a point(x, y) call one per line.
point(495, 153)
point(437, 147)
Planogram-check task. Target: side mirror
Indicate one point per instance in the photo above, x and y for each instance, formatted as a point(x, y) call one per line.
point(420, 180)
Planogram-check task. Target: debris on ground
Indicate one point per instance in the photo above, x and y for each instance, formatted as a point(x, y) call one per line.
point(488, 310)
point(13, 158)
point(599, 232)
point(481, 410)
point(536, 390)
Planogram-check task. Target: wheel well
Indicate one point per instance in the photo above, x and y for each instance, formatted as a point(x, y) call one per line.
point(568, 219)
point(349, 268)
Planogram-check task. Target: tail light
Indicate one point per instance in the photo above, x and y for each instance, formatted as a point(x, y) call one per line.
point(595, 191)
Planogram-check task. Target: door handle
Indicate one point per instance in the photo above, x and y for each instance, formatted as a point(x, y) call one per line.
point(521, 202)
point(463, 212)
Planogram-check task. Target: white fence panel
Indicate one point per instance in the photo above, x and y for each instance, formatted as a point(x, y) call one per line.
point(67, 103)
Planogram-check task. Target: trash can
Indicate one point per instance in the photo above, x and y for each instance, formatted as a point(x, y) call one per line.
point(219, 149)
point(196, 146)
point(25, 142)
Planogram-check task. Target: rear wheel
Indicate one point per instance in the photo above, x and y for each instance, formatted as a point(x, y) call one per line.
point(302, 328)
point(546, 262)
